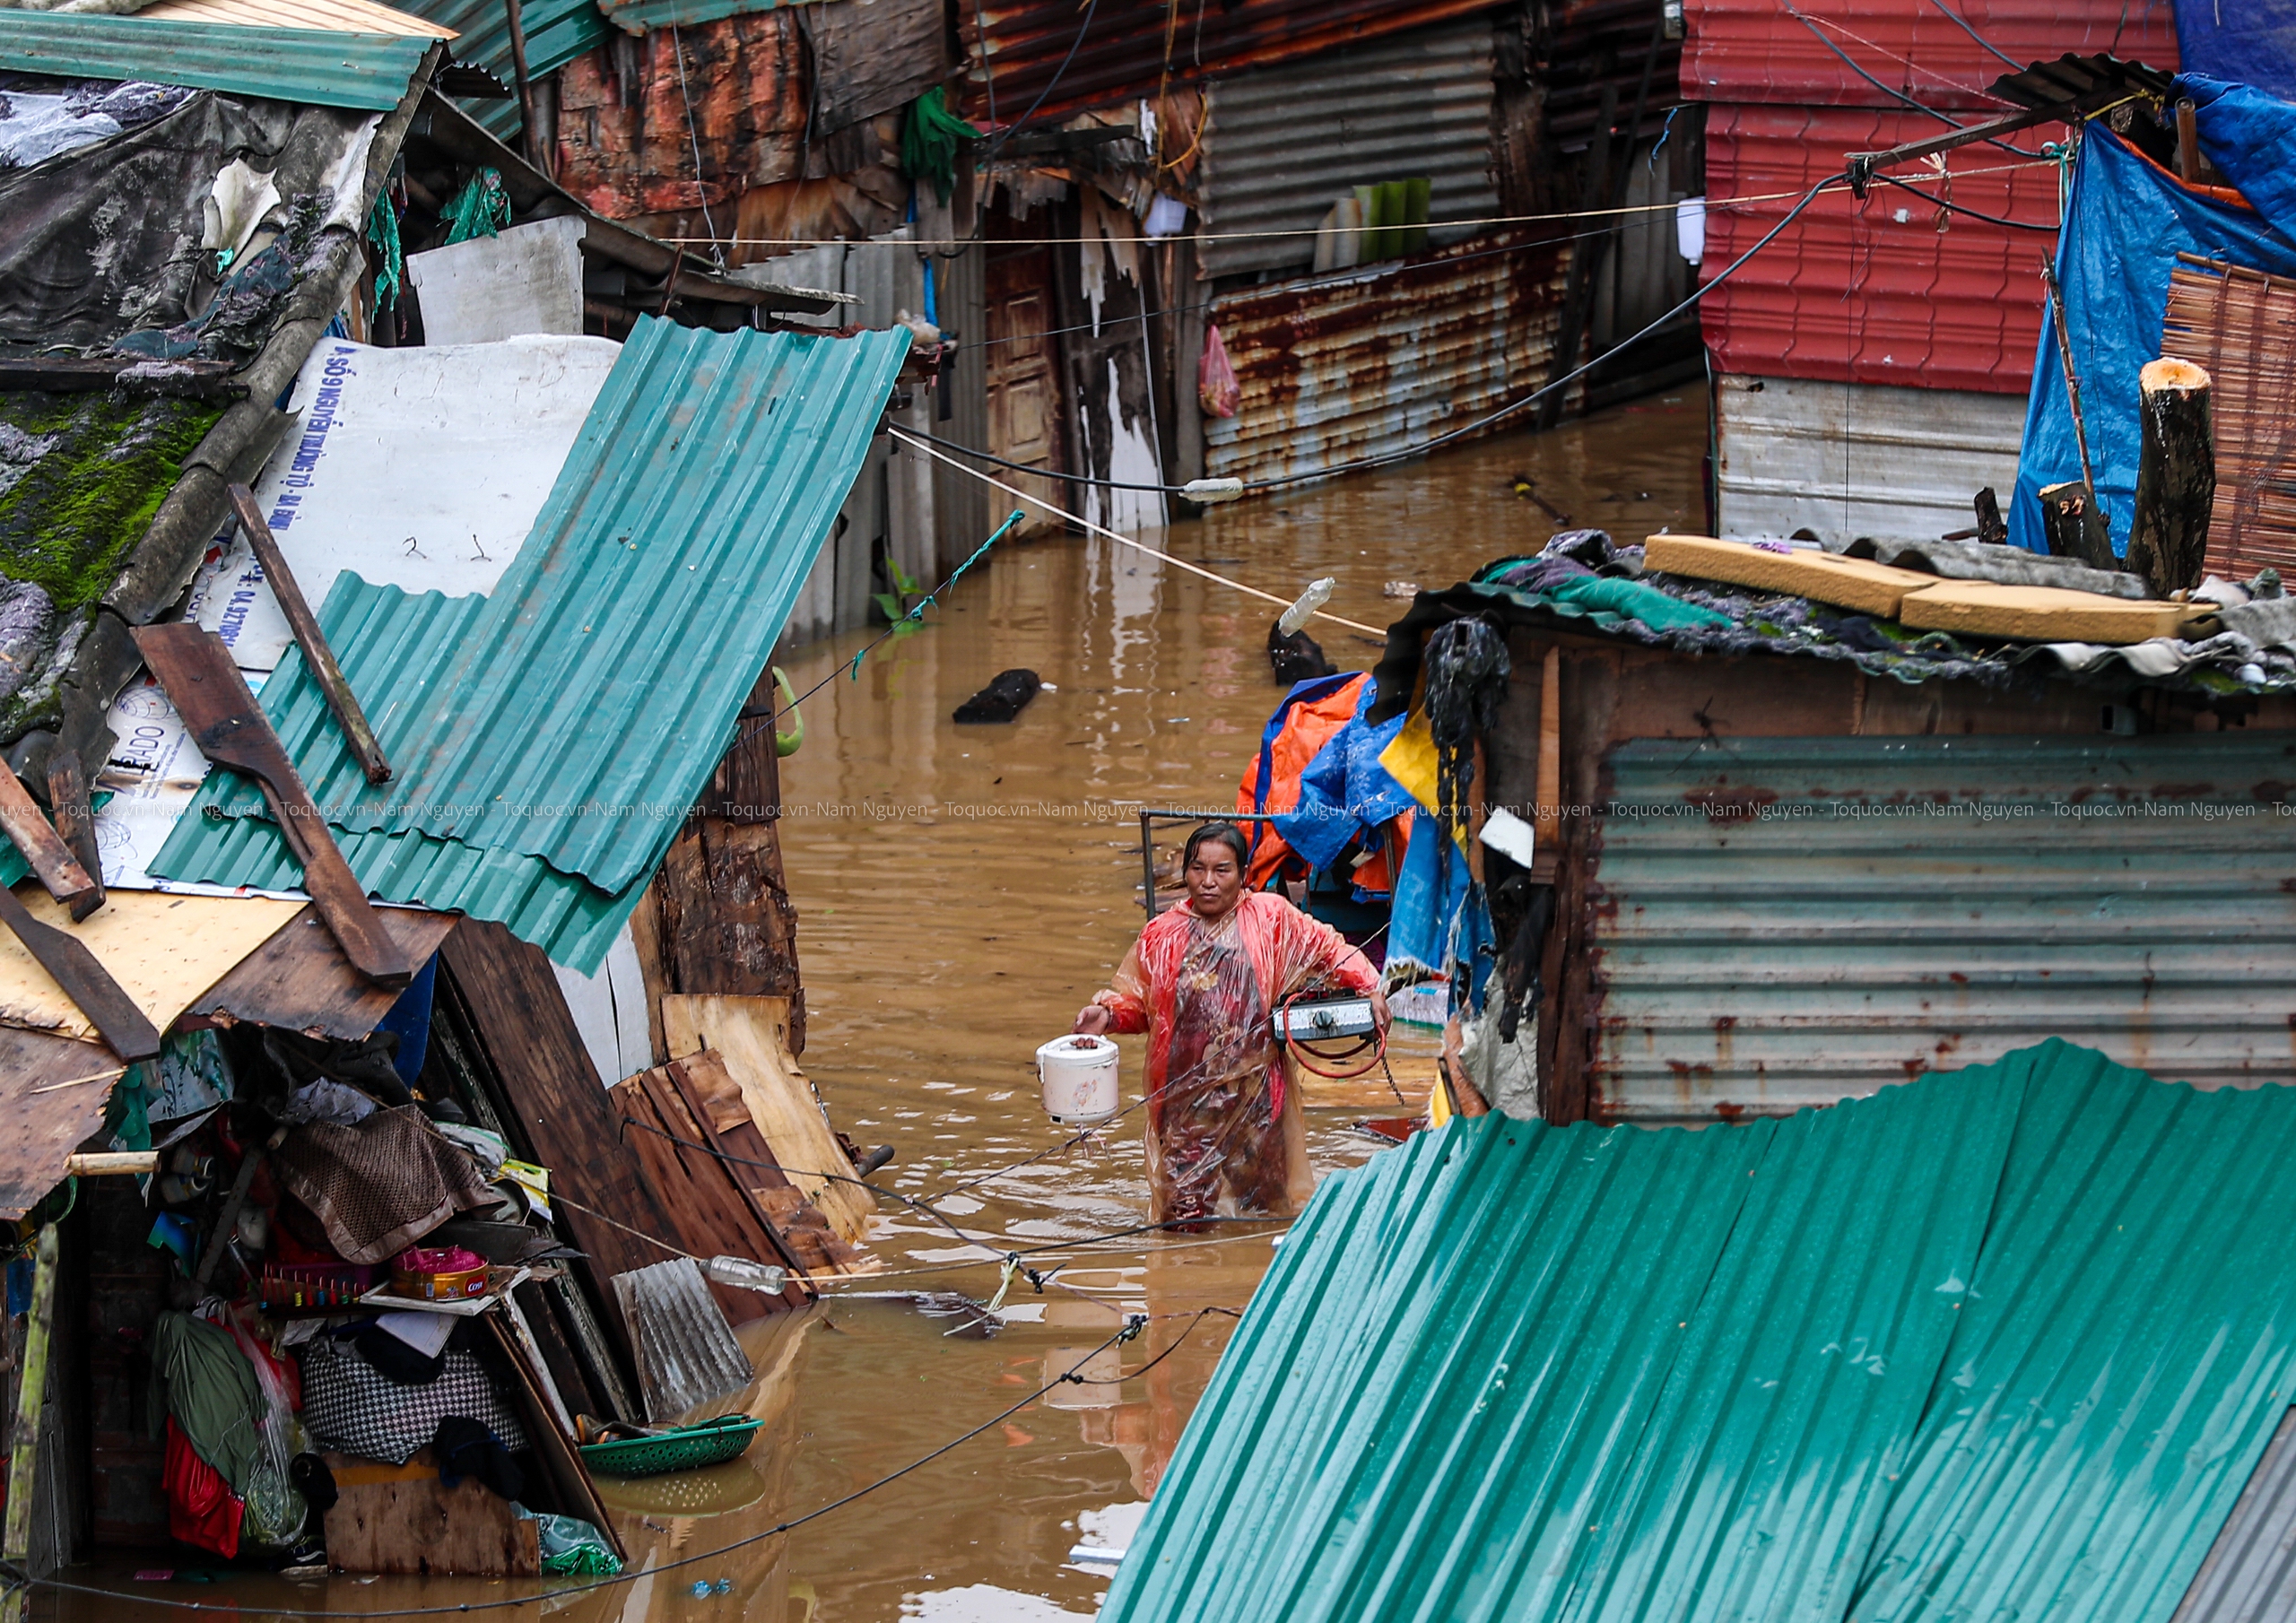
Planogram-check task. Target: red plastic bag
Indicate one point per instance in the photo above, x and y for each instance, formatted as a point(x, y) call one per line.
point(201, 1510)
point(1215, 379)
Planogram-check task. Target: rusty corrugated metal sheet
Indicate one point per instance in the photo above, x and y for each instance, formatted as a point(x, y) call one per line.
point(1782, 922)
point(1133, 47)
point(1760, 50)
point(1594, 43)
point(1379, 359)
point(1876, 290)
point(1412, 105)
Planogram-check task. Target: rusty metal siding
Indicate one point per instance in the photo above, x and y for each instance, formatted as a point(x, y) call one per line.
point(1281, 145)
point(1127, 49)
point(1377, 359)
point(1760, 50)
point(1850, 459)
point(1782, 923)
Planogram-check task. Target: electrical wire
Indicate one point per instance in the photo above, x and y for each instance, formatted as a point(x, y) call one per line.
point(1134, 1324)
point(1851, 63)
point(1013, 128)
point(1957, 208)
point(1962, 23)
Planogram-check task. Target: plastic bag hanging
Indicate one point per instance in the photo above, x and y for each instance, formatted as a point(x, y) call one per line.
point(1225, 1135)
point(1215, 379)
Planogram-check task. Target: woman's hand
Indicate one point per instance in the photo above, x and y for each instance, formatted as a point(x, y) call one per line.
point(1092, 1021)
point(1380, 1008)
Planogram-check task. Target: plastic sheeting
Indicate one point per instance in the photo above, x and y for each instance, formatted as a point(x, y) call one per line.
point(2128, 220)
point(96, 242)
point(1225, 1135)
point(2254, 40)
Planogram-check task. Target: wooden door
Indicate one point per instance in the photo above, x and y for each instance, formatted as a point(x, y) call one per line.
point(1023, 396)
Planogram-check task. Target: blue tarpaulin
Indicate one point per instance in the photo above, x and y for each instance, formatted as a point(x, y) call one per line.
point(2127, 221)
point(2251, 40)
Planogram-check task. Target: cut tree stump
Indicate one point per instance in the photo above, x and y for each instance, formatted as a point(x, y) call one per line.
point(2176, 476)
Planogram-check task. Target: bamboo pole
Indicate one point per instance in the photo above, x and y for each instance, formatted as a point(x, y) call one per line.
point(31, 1393)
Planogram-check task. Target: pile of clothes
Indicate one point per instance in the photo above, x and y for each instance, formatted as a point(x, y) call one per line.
point(296, 1177)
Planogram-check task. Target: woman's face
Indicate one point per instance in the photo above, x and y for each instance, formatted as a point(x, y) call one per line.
point(1214, 881)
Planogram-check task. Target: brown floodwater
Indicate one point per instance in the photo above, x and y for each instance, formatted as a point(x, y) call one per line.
point(962, 891)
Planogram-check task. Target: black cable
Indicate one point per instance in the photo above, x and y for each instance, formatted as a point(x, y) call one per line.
point(1850, 63)
point(1134, 1325)
point(1906, 186)
point(1963, 24)
point(1005, 134)
point(1179, 1342)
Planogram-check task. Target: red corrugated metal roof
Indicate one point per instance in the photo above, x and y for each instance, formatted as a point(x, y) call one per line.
point(1873, 292)
point(1762, 50)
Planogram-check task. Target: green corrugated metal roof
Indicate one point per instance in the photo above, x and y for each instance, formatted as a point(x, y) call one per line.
point(2002, 1342)
point(548, 737)
point(371, 72)
point(557, 31)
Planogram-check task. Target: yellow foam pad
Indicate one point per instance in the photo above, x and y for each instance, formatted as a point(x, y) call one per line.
point(2047, 613)
point(1846, 583)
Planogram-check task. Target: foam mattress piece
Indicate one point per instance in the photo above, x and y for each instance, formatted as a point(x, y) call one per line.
point(2049, 614)
point(1827, 577)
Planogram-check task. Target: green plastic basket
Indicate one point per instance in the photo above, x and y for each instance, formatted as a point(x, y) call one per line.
point(706, 1443)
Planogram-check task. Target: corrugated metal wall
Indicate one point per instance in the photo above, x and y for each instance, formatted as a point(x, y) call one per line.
point(1851, 459)
point(1058, 57)
point(1788, 922)
point(1283, 144)
point(1759, 50)
point(1878, 290)
point(1378, 359)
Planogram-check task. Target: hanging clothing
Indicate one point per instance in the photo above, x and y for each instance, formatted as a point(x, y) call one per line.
point(202, 1510)
point(1225, 1136)
point(204, 1383)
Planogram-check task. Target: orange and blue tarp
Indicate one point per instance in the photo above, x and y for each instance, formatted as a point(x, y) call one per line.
point(1310, 715)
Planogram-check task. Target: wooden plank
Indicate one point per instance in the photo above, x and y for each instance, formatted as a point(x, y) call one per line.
point(300, 979)
point(2048, 613)
point(751, 1035)
point(1849, 583)
point(704, 1219)
point(708, 1090)
point(36, 840)
point(196, 672)
point(93, 992)
point(162, 950)
point(53, 1092)
point(558, 1453)
point(317, 657)
point(76, 823)
point(562, 1118)
point(403, 1520)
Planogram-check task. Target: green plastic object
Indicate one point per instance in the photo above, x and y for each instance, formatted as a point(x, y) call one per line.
point(572, 1547)
point(2001, 1343)
point(480, 209)
point(687, 1448)
point(929, 134)
point(786, 744)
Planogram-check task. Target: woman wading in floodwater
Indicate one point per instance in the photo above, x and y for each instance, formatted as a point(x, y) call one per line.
point(1225, 1136)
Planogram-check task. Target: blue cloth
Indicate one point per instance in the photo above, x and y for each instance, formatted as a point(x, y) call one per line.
point(410, 1017)
point(2250, 39)
point(2127, 220)
point(1438, 924)
point(1344, 790)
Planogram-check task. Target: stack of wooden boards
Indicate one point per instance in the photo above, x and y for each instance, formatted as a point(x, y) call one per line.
point(1928, 603)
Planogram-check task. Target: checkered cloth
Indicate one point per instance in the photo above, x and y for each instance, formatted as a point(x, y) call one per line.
point(350, 1409)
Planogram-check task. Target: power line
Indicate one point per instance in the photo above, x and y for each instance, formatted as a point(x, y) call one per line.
point(1075, 1374)
point(1962, 23)
point(1947, 204)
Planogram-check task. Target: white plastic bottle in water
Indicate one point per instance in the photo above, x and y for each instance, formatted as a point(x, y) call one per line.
point(743, 1274)
point(1316, 596)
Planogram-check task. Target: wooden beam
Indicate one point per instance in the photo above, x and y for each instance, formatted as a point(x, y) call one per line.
point(325, 669)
